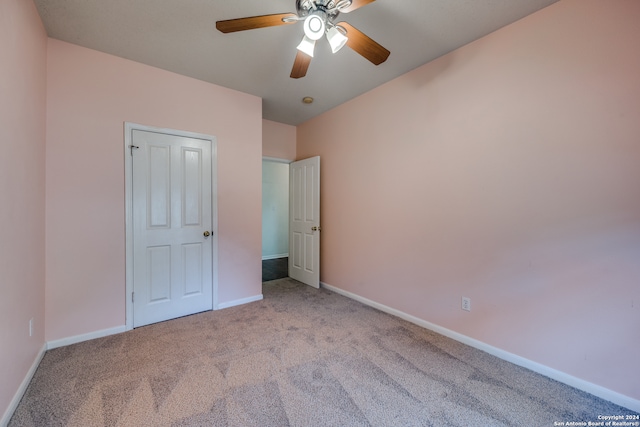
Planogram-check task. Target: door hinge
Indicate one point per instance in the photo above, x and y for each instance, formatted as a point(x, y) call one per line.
point(132, 147)
point(132, 293)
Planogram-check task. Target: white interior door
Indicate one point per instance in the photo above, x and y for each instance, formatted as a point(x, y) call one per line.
point(172, 226)
point(304, 221)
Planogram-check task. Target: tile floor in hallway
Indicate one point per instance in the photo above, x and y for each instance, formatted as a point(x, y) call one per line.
point(273, 269)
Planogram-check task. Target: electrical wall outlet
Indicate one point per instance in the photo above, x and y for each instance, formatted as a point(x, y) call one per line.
point(31, 327)
point(466, 304)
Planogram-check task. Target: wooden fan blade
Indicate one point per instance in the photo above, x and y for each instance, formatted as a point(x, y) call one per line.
point(355, 4)
point(300, 65)
point(364, 45)
point(253, 22)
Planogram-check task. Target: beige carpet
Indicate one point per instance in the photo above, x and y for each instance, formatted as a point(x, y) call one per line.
point(300, 357)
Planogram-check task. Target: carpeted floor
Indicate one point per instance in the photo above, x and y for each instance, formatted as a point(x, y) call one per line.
point(300, 357)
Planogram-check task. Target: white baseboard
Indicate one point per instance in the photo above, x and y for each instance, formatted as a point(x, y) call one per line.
point(85, 337)
point(239, 302)
point(596, 390)
point(266, 257)
point(4, 421)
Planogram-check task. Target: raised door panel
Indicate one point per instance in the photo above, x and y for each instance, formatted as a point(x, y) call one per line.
point(159, 187)
point(310, 211)
point(297, 202)
point(309, 253)
point(191, 187)
point(192, 277)
point(159, 274)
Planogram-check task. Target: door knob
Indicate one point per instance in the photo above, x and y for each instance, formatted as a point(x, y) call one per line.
point(316, 229)
point(207, 234)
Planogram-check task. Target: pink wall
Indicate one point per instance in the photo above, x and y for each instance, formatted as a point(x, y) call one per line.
point(23, 44)
point(89, 97)
point(509, 172)
point(278, 140)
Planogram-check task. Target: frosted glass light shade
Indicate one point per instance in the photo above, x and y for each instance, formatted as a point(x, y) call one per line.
point(307, 46)
point(337, 40)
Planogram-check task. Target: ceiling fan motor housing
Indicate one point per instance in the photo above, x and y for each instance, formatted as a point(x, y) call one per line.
point(308, 7)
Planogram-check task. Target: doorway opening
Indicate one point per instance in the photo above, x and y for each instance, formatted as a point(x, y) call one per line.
point(275, 219)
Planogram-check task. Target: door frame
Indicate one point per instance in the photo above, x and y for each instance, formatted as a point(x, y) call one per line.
point(128, 202)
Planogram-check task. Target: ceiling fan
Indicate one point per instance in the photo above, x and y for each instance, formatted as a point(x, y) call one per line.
point(319, 18)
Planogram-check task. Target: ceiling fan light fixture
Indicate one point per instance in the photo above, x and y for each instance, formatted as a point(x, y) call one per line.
point(319, 19)
point(307, 46)
point(314, 26)
point(336, 39)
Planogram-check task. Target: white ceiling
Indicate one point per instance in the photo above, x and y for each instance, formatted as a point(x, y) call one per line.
point(180, 36)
